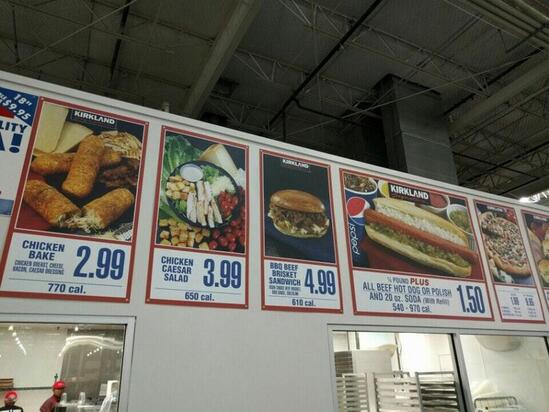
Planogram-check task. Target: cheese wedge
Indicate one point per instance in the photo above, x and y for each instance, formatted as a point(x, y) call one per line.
point(71, 135)
point(219, 156)
point(52, 120)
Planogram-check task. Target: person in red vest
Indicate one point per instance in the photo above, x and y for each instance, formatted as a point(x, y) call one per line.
point(9, 402)
point(49, 405)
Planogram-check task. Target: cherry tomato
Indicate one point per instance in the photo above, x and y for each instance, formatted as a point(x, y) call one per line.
point(212, 245)
point(232, 246)
point(231, 237)
point(216, 233)
point(234, 223)
point(237, 232)
point(242, 240)
point(223, 241)
point(227, 229)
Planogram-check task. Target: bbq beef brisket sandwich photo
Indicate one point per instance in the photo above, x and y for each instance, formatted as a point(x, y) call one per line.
point(420, 236)
point(298, 214)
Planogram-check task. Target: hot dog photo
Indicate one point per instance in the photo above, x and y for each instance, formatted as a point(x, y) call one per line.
point(297, 211)
point(396, 227)
point(83, 175)
point(502, 240)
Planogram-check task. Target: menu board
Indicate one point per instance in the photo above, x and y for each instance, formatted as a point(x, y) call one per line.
point(72, 234)
point(516, 293)
point(199, 253)
point(299, 252)
point(537, 225)
point(412, 251)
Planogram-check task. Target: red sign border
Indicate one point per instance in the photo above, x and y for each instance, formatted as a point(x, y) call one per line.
point(490, 203)
point(18, 201)
point(536, 270)
point(153, 245)
point(546, 216)
point(265, 307)
point(350, 258)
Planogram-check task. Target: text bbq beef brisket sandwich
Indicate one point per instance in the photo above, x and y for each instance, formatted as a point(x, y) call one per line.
point(420, 236)
point(298, 214)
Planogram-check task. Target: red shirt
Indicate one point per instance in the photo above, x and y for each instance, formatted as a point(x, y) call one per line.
point(49, 404)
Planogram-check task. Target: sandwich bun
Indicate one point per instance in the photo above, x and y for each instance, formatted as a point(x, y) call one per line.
point(298, 201)
point(293, 233)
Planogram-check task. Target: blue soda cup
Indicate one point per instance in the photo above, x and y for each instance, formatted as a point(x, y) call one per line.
point(355, 204)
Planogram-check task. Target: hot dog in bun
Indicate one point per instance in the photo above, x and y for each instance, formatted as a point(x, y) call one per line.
point(420, 236)
point(298, 214)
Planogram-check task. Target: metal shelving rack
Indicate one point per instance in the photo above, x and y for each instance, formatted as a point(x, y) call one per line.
point(424, 392)
point(439, 391)
point(352, 392)
point(397, 392)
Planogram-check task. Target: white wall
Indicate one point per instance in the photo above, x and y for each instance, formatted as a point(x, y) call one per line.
point(40, 364)
point(523, 372)
point(425, 353)
point(205, 359)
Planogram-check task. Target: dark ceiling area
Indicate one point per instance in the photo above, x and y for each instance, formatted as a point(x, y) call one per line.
point(308, 71)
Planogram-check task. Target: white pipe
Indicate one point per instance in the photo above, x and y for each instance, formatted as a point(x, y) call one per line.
point(511, 21)
point(531, 11)
point(532, 22)
point(487, 11)
point(537, 74)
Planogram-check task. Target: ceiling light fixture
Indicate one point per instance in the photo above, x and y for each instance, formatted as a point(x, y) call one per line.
point(535, 198)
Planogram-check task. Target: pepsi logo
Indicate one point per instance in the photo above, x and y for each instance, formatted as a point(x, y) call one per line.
point(355, 209)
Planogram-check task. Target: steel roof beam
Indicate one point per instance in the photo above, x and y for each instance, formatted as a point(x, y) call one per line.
point(118, 44)
point(82, 57)
point(344, 19)
point(92, 28)
point(222, 50)
point(70, 35)
point(75, 83)
point(338, 47)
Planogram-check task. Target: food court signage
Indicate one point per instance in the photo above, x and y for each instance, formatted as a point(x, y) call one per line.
point(199, 253)
point(70, 206)
point(74, 225)
point(412, 251)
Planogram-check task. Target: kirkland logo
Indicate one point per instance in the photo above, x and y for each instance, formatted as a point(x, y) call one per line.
point(86, 117)
point(294, 164)
point(407, 193)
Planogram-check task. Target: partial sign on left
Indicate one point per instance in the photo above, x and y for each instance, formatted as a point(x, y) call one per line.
point(75, 214)
point(16, 118)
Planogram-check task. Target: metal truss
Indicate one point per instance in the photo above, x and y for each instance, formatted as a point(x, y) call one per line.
point(247, 115)
point(285, 74)
point(79, 57)
point(332, 24)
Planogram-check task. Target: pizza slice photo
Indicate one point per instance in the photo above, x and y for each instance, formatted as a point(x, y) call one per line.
point(504, 246)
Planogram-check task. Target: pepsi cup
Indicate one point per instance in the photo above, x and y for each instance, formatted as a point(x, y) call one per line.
point(356, 203)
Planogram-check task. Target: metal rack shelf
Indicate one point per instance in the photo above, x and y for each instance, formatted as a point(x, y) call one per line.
point(352, 392)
